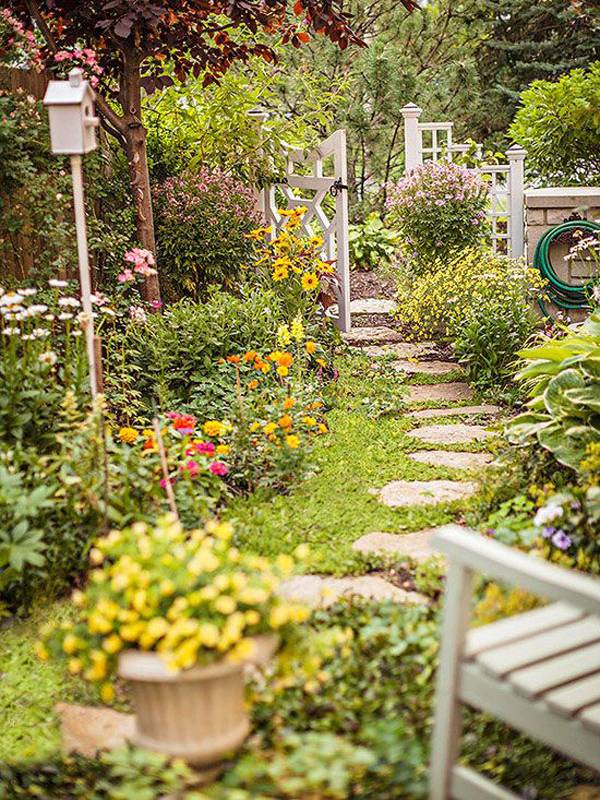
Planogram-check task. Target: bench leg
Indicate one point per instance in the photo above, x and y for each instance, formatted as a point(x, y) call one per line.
point(447, 725)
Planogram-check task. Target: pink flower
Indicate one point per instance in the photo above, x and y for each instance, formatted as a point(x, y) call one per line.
point(192, 468)
point(163, 483)
point(126, 276)
point(156, 304)
point(206, 448)
point(219, 468)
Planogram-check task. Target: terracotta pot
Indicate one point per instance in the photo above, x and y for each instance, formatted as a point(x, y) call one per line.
point(197, 714)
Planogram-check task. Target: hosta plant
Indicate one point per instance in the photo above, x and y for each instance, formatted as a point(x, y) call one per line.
point(192, 597)
point(372, 244)
point(563, 380)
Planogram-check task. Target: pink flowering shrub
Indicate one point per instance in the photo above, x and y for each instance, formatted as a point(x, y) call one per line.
point(17, 45)
point(202, 220)
point(439, 209)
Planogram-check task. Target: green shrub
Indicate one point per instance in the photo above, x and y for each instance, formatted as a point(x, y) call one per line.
point(439, 209)
point(371, 243)
point(559, 126)
point(487, 342)
point(129, 773)
point(562, 379)
point(444, 301)
point(170, 357)
point(202, 222)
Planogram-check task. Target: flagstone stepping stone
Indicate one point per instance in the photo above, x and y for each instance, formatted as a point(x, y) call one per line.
point(371, 335)
point(450, 434)
point(372, 305)
point(459, 411)
point(317, 590)
point(87, 729)
point(441, 391)
point(424, 493)
point(446, 458)
point(427, 367)
point(413, 545)
point(400, 349)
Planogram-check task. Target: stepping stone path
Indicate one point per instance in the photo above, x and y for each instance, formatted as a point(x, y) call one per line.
point(370, 335)
point(459, 411)
point(424, 493)
point(447, 458)
point(450, 434)
point(372, 305)
point(440, 391)
point(399, 349)
point(413, 545)
point(87, 729)
point(317, 590)
point(425, 367)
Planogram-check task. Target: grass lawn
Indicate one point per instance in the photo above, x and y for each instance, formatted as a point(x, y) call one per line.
point(367, 448)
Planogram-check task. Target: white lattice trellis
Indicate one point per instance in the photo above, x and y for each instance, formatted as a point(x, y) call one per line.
point(506, 211)
point(328, 177)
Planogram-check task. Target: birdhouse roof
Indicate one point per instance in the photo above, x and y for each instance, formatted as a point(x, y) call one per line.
point(62, 93)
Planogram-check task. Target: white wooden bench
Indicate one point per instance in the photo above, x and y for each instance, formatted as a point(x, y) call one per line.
point(539, 671)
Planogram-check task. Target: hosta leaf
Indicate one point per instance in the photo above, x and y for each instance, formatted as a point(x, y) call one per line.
point(590, 366)
point(555, 399)
point(588, 396)
point(569, 450)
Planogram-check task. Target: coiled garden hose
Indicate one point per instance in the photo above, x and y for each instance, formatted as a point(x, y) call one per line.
point(563, 295)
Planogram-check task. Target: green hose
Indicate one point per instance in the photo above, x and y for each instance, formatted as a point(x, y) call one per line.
point(562, 294)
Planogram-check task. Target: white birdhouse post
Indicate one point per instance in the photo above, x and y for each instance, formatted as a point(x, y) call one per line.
point(73, 132)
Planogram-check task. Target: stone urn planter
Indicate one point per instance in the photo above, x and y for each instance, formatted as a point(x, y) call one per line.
point(197, 714)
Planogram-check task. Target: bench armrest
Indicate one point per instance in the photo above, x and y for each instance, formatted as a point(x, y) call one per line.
point(480, 554)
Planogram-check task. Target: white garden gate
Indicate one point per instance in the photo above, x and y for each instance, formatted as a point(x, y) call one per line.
point(433, 141)
point(327, 177)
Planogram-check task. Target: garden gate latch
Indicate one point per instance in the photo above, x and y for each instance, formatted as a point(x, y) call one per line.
point(336, 187)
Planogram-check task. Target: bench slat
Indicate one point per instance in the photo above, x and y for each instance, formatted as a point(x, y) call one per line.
point(502, 660)
point(518, 627)
point(569, 699)
point(554, 672)
point(590, 717)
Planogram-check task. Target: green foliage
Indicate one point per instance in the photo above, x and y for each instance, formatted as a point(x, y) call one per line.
point(525, 42)
point(558, 123)
point(561, 376)
point(171, 356)
point(304, 765)
point(371, 243)
point(35, 223)
point(439, 209)
point(202, 224)
point(129, 774)
point(191, 125)
point(487, 342)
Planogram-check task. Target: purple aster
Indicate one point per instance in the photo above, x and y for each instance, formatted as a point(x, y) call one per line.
point(548, 532)
point(561, 540)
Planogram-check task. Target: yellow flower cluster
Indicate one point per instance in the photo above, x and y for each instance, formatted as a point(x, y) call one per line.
point(438, 302)
point(192, 596)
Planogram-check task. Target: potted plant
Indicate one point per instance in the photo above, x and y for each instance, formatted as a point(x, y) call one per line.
point(177, 615)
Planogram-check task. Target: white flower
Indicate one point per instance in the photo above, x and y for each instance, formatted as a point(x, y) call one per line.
point(11, 331)
point(40, 308)
point(56, 284)
point(28, 292)
point(137, 313)
point(73, 302)
point(11, 299)
point(65, 316)
point(39, 333)
point(48, 357)
point(547, 514)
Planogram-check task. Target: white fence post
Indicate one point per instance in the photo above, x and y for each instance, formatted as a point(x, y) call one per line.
point(413, 155)
point(516, 158)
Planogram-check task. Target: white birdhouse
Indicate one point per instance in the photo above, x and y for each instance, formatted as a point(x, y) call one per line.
point(71, 110)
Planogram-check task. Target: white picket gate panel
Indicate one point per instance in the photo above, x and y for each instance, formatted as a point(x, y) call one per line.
point(433, 141)
point(333, 229)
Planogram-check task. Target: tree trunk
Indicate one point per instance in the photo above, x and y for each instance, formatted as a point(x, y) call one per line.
point(137, 159)
point(142, 201)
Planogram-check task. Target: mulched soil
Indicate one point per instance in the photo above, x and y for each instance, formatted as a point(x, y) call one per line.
point(370, 284)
